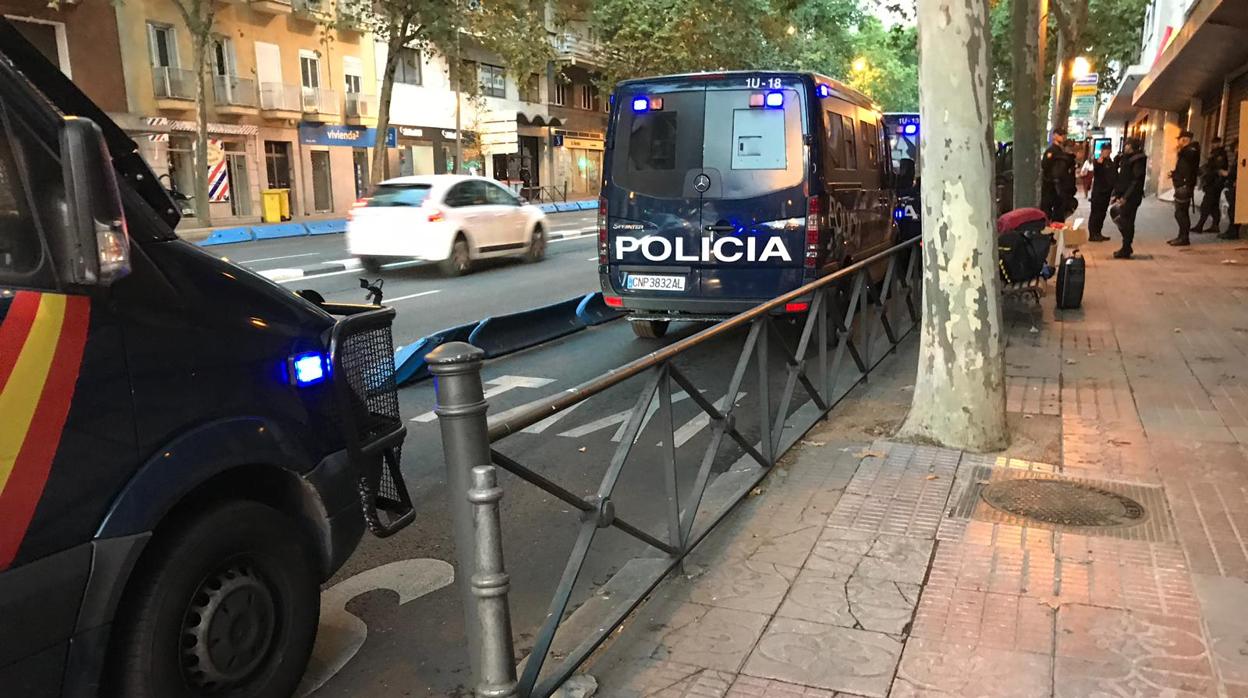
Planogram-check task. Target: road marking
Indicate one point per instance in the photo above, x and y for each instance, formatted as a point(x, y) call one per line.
point(341, 633)
point(392, 265)
point(412, 295)
point(270, 259)
point(282, 276)
point(498, 386)
point(691, 428)
point(570, 237)
point(592, 259)
point(620, 418)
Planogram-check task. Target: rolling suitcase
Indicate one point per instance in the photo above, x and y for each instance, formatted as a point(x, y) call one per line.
point(1070, 276)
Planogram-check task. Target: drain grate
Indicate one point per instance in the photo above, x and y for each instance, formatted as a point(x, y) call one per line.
point(1037, 499)
point(1063, 503)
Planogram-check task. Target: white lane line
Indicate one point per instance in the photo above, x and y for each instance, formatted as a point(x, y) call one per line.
point(283, 276)
point(498, 386)
point(570, 237)
point(270, 259)
point(592, 259)
point(393, 265)
point(386, 301)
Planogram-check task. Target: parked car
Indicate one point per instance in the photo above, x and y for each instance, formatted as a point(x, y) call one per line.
point(449, 219)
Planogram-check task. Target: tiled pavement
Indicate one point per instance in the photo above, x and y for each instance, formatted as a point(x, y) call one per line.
point(865, 570)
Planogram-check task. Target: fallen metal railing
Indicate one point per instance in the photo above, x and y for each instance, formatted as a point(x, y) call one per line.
point(846, 311)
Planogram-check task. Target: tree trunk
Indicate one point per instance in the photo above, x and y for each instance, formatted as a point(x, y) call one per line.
point(959, 395)
point(1061, 72)
point(199, 55)
point(1071, 17)
point(1025, 30)
point(398, 34)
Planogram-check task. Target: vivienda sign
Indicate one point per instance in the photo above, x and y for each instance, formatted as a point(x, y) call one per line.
point(351, 136)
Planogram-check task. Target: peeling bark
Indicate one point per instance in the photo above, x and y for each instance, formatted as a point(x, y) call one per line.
point(959, 396)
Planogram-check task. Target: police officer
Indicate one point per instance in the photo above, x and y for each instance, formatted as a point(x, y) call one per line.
point(1104, 173)
point(1129, 192)
point(1212, 182)
point(1232, 174)
point(1184, 177)
point(1057, 173)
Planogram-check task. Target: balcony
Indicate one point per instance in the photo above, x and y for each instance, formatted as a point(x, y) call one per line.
point(234, 95)
point(361, 109)
point(281, 101)
point(575, 49)
point(269, 7)
point(174, 88)
point(319, 102)
point(313, 10)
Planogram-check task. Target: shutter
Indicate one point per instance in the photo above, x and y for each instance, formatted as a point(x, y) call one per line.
point(1234, 110)
point(268, 63)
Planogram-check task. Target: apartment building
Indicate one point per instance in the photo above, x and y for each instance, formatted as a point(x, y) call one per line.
point(1192, 74)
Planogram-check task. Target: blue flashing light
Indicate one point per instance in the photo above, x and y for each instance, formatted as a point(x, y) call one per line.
point(775, 99)
point(899, 213)
point(910, 129)
point(308, 368)
point(640, 104)
point(823, 91)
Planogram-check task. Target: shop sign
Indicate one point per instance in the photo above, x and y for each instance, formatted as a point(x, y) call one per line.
point(350, 136)
point(583, 143)
point(411, 132)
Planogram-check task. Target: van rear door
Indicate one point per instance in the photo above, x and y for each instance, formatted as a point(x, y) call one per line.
point(705, 172)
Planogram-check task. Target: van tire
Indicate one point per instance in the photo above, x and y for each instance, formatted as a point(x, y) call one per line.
point(271, 587)
point(460, 260)
point(649, 329)
point(372, 265)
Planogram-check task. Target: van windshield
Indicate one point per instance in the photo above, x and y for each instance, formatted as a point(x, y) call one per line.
point(399, 195)
point(752, 149)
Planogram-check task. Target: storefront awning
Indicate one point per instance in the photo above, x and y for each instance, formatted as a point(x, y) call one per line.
point(1210, 45)
point(537, 120)
point(1120, 107)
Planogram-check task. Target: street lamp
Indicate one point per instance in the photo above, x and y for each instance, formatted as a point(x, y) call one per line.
point(1081, 68)
point(859, 64)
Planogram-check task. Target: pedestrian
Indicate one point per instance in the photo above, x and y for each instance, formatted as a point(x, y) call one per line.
point(1184, 177)
point(1057, 178)
point(1104, 174)
point(1087, 175)
point(1212, 181)
point(1129, 192)
point(1232, 174)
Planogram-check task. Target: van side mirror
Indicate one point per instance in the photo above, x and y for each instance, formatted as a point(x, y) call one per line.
point(94, 244)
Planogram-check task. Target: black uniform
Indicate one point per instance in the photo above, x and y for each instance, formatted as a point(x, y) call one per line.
point(1057, 186)
point(1184, 177)
point(1232, 229)
point(1103, 176)
point(1212, 183)
point(1129, 186)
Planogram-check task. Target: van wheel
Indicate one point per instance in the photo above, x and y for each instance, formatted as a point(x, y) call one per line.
point(216, 609)
point(649, 329)
point(460, 261)
point(372, 265)
point(537, 245)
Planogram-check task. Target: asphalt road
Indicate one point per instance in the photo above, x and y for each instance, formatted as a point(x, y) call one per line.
point(391, 619)
point(424, 299)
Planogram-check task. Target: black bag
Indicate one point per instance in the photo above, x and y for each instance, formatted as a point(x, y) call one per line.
point(1023, 253)
point(1070, 275)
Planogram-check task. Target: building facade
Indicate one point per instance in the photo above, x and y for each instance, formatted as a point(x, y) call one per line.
point(1192, 74)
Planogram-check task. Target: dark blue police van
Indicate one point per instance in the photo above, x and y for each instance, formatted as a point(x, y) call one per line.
point(725, 189)
point(187, 450)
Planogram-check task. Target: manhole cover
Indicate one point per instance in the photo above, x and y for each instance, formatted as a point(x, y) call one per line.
point(1062, 502)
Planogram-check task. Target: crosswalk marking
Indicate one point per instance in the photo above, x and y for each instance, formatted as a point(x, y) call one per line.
point(498, 386)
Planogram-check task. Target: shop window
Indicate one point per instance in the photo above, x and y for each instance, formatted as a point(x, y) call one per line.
point(407, 70)
point(180, 165)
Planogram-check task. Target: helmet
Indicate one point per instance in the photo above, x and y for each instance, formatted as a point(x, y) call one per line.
point(1115, 212)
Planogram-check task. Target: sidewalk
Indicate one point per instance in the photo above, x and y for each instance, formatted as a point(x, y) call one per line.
point(873, 568)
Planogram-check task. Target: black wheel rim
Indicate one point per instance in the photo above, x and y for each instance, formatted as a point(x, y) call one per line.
point(539, 244)
point(460, 256)
point(229, 628)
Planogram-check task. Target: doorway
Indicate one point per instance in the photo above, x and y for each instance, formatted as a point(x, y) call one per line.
point(277, 168)
point(359, 158)
point(322, 191)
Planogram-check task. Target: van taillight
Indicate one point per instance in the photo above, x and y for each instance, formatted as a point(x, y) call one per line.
point(813, 209)
point(602, 230)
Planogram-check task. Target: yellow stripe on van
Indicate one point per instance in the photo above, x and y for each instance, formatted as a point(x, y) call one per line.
point(21, 394)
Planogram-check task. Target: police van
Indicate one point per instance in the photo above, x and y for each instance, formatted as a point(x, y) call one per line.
point(187, 450)
point(722, 190)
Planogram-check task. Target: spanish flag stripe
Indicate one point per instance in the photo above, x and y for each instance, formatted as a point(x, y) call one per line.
point(21, 392)
point(14, 329)
point(34, 461)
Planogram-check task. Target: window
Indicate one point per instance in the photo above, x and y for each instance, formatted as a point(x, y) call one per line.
point(499, 196)
point(559, 95)
point(530, 90)
point(871, 139)
point(277, 164)
point(589, 98)
point(851, 145)
point(163, 44)
point(834, 158)
point(399, 195)
point(21, 253)
point(407, 71)
point(353, 83)
point(652, 144)
point(352, 70)
point(223, 62)
point(758, 139)
point(470, 193)
point(47, 37)
point(309, 70)
point(493, 80)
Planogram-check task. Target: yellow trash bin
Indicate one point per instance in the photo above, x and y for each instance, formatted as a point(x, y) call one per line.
point(275, 205)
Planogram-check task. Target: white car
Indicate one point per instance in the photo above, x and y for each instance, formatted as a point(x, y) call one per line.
point(449, 219)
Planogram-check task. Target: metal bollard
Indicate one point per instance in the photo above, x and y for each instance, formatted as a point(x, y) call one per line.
point(460, 406)
point(490, 584)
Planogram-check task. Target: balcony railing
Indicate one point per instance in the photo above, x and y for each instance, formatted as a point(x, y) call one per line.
point(276, 96)
point(233, 91)
point(318, 100)
point(173, 83)
point(360, 105)
point(575, 48)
